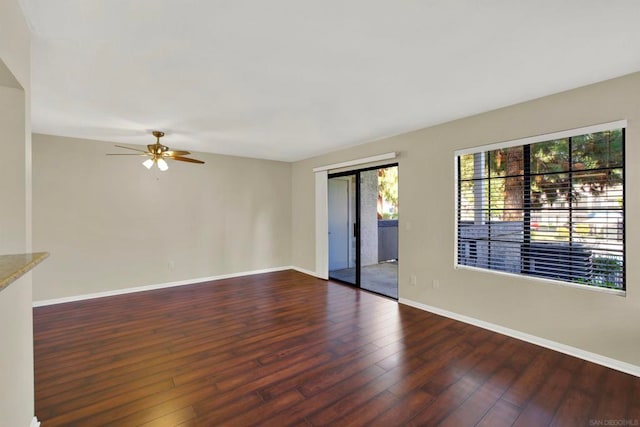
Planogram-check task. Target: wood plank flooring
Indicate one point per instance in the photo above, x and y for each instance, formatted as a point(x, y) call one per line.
point(287, 349)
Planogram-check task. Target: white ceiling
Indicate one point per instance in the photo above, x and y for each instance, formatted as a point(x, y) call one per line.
point(289, 79)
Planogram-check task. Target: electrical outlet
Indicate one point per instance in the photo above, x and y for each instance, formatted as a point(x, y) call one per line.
point(171, 264)
point(413, 280)
point(436, 284)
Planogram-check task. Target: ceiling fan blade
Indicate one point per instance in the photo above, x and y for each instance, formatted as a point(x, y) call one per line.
point(172, 153)
point(158, 153)
point(186, 159)
point(129, 148)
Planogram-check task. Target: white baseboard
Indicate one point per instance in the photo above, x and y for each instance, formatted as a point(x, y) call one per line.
point(562, 348)
point(35, 422)
point(157, 286)
point(305, 271)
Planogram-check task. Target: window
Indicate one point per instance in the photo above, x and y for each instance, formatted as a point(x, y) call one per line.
point(550, 207)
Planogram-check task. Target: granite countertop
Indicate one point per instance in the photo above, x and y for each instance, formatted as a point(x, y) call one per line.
point(14, 266)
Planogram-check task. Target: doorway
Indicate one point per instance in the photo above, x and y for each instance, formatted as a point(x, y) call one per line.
point(363, 228)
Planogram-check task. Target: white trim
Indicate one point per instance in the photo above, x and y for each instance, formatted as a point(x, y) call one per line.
point(156, 286)
point(542, 342)
point(305, 271)
point(322, 224)
point(545, 137)
point(34, 422)
point(356, 162)
point(455, 210)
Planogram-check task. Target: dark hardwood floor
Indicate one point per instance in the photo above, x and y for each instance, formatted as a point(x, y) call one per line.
point(288, 349)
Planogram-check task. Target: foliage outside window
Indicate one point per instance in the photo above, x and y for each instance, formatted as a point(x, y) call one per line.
point(388, 193)
point(552, 209)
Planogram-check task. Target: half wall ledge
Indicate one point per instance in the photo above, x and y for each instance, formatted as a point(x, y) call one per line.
point(12, 267)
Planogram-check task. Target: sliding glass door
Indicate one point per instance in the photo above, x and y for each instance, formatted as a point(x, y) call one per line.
point(343, 228)
point(363, 229)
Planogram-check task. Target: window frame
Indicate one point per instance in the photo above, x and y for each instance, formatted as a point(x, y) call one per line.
point(619, 124)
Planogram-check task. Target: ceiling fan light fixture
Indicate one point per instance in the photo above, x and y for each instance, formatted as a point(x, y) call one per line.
point(157, 154)
point(162, 165)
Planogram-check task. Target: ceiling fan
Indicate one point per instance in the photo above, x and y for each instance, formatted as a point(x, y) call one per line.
point(157, 154)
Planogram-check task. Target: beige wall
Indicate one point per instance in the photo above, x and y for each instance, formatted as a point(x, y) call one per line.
point(15, 42)
point(593, 321)
point(110, 223)
point(16, 326)
point(12, 171)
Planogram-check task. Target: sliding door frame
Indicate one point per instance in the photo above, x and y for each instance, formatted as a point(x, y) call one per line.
point(357, 226)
